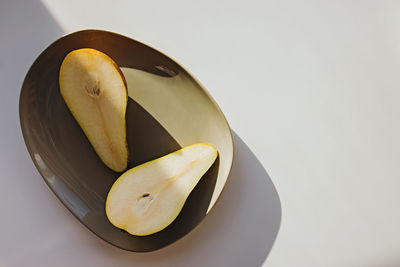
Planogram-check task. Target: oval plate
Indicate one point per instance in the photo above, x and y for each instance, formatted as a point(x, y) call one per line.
point(167, 109)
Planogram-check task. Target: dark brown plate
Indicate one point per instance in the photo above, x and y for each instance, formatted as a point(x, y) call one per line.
point(167, 109)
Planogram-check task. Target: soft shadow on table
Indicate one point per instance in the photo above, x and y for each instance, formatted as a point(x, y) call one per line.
point(239, 231)
point(26, 28)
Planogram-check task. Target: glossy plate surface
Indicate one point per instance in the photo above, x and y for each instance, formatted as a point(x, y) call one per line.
point(167, 109)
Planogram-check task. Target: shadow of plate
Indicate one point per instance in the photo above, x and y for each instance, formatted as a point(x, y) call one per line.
point(239, 231)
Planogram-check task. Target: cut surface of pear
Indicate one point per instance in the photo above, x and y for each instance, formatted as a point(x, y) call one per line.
point(94, 89)
point(147, 198)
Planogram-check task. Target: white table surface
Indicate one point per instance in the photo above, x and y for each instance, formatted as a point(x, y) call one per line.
point(311, 90)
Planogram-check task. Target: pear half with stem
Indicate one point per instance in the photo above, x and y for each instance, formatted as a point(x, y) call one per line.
point(147, 198)
point(94, 89)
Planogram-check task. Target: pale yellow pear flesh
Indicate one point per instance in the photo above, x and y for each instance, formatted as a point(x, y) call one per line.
point(147, 198)
point(94, 89)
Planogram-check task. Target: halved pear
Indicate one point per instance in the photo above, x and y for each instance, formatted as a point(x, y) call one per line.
point(148, 197)
point(94, 89)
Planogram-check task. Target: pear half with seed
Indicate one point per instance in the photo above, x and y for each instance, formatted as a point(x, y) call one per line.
point(148, 197)
point(94, 89)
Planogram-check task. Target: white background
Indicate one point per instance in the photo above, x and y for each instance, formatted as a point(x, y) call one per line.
point(312, 88)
